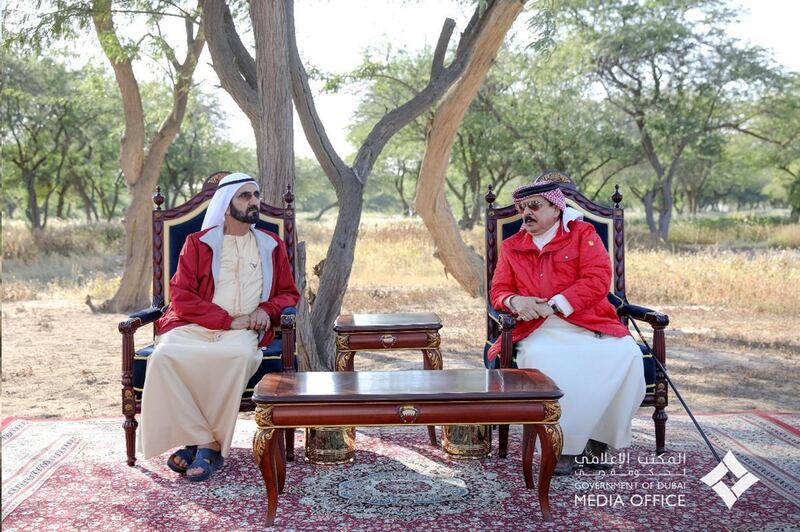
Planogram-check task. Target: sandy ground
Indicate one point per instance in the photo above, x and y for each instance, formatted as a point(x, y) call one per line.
point(61, 361)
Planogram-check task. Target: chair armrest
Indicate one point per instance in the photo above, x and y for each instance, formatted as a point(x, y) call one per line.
point(288, 317)
point(507, 322)
point(504, 320)
point(652, 317)
point(140, 318)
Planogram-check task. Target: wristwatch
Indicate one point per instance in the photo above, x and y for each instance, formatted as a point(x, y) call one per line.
point(555, 308)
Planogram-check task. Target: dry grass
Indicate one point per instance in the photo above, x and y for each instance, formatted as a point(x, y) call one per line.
point(729, 231)
point(766, 281)
point(401, 254)
point(62, 238)
point(396, 255)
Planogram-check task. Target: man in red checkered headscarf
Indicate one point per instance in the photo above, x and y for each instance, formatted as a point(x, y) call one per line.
point(554, 276)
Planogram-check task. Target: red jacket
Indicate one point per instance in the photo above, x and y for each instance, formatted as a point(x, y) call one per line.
point(574, 264)
point(191, 289)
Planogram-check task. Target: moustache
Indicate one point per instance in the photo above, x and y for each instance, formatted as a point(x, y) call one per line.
point(528, 218)
point(252, 209)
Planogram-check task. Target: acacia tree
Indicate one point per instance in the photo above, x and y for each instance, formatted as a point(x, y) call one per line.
point(39, 108)
point(778, 128)
point(259, 85)
point(671, 69)
point(141, 154)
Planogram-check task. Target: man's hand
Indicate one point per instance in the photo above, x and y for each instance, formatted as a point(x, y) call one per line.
point(241, 322)
point(531, 308)
point(259, 320)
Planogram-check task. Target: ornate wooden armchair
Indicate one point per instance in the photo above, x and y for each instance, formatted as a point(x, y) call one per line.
point(170, 229)
point(504, 222)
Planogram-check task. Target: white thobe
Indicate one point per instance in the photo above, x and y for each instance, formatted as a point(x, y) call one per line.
point(196, 376)
point(602, 377)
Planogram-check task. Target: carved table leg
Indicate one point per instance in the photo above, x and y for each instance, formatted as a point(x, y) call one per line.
point(552, 441)
point(432, 359)
point(345, 361)
point(528, 446)
point(265, 450)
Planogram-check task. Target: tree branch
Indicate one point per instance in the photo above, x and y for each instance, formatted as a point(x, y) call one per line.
point(396, 119)
point(132, 145)
point(335, 168)
point(441, 48)
point(162, 140)
point(229, 66)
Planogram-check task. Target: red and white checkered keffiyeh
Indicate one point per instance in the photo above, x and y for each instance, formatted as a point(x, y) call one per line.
point(549, 190)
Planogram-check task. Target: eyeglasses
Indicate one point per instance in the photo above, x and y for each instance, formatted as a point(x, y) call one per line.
point(533, 205)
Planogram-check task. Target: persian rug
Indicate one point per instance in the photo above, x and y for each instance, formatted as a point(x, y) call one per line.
point(71, 475)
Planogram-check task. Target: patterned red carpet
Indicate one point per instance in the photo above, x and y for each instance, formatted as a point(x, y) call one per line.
point(67, 475)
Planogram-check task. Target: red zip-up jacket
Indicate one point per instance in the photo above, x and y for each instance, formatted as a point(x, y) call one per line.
point(574, 264)
point(191, 289)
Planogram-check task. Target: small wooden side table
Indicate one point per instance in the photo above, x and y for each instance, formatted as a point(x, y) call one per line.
point(389, 332)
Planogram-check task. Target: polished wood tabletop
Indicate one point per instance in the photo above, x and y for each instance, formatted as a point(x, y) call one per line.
point(377, 386)
point(387, 322)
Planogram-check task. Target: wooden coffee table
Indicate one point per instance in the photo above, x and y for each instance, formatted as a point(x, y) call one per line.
point(387, 398)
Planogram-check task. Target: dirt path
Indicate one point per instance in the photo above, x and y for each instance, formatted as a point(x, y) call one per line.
point(60, 360)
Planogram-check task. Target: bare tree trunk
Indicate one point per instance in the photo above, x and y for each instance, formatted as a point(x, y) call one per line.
point(647, 201)
point(459, 260)
point(665, 211)
point(325, 209)
point(137, 278)
point(336, 273)
point(274, 136)
point(32, 211)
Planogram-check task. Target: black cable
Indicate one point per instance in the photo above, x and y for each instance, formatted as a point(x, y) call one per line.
point(672, 384)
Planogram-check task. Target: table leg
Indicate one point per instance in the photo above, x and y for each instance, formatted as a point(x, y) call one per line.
point(432, 359)
point(266, 447)
point(528, 447)
point(280, 458)
point(502, 441)
point(345, 361)
point(552, 441)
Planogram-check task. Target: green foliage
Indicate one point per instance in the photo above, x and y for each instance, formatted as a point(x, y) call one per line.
point(59, 133)
point(200, 149)
point(778, 129)
point(313, 191)
point(679, 79)
point(61, 130)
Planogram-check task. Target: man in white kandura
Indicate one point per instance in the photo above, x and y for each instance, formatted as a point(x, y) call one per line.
point(554, 276)
point(231, 284)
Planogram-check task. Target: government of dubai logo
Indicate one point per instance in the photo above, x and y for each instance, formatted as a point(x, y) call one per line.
point(744, 479)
